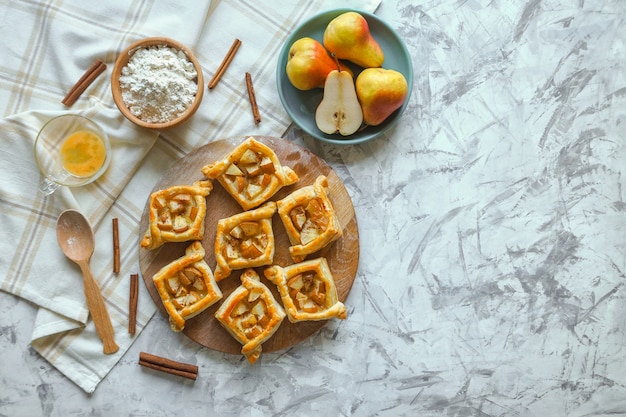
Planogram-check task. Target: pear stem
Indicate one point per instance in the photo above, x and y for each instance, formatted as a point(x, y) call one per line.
point(336, 61)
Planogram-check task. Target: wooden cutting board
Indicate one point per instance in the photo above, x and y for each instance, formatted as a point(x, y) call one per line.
point(342, 255)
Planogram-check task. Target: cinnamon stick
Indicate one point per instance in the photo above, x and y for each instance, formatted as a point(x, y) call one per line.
point(132, 303)
point(255, 107)
point(225, 63)
point(168, 366)
point(84, 81)
point(116, 246)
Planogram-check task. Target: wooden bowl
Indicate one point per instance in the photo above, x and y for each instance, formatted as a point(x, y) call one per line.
point(122, 61)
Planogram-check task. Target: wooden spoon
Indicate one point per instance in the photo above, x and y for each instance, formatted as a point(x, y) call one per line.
point(77, 241)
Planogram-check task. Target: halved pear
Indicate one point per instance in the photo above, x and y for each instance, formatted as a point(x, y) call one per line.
point(339, 111)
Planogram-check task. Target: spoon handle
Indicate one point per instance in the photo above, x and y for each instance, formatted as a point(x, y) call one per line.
point(98, 310)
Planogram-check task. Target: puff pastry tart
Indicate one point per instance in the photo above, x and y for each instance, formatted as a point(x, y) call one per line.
point(251, 314)
point(309, 219)
point(186, 286)
point(307, 290)
point(251, 173)
point(245, 240)
point(177, 214)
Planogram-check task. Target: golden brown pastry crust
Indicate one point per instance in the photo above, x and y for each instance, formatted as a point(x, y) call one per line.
point(251, 173)
point(309, 219)
point(251, 314)
point(186, 286)
point(245, 240)
point(177, 214)
point(307, 290)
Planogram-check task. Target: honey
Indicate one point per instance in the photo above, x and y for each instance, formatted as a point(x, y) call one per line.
point(83, 153)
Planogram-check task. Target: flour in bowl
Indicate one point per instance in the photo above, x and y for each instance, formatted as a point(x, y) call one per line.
point(158, 84)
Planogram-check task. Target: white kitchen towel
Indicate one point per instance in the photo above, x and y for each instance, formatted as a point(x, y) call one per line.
point(46, 48)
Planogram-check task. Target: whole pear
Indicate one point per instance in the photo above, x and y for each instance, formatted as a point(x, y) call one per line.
point(380, 92)
point(339, 111)
point(348, 37)
point(308, 64)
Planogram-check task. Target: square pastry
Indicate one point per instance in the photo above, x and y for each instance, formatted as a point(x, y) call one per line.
point(309, 219)
point(307, 290)
point(251, 173)
point(186, 286)
point(251, 314)
point(245, 240)
point(177, 214)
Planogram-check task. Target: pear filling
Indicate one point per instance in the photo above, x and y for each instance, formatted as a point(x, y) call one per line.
point(308, 292)
point(176, 213)
point(245, 240)
point(251, 174)
point(310, 221)
point(250, 316)
point(186, 287)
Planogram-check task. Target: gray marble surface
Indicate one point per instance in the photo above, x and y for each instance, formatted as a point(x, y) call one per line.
point(493, 245)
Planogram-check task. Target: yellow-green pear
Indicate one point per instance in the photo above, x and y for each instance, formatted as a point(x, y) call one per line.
point(348, 37)
point(308, 64)
point(380, 92)
point(339, 111)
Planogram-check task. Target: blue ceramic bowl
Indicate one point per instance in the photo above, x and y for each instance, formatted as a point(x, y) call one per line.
point(301, 105)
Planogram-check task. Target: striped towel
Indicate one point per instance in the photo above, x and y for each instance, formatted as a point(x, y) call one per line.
point(38, 67)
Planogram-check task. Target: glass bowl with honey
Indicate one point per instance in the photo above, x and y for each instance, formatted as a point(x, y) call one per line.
point(71, 150)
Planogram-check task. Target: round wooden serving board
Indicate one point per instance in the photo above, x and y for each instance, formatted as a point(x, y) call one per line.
point(342, 255)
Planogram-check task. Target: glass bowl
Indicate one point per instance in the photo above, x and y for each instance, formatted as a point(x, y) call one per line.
point(71, 150)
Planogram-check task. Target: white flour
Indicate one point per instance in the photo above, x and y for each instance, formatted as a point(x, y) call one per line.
point(158, 83)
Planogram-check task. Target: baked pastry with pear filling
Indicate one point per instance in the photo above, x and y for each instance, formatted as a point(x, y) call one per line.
point(177, 214)
point(187, 286)
point(309, 219)
point(307, 290)
point(251, 314)
point(245, 240)
point(251, 173)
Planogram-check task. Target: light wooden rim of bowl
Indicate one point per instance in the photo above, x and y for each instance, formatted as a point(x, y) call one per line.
point(123, 59)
